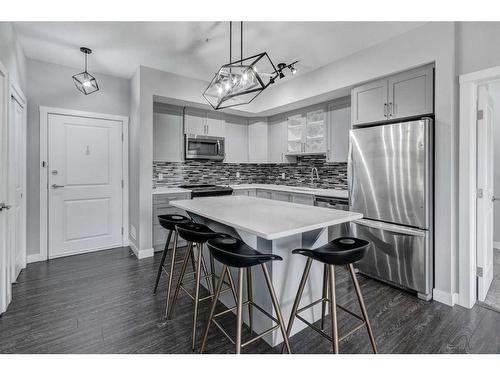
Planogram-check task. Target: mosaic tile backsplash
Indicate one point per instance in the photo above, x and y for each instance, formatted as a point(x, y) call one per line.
point(331, 175)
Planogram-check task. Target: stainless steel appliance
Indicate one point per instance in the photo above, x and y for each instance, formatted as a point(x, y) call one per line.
point(337, 204)
point(204, 147)
point(390, 177)
point(207, 190)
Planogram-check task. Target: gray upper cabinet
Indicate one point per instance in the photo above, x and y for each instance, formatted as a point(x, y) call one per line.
point(339, 125)
point(369, 102)
point(411, 94)
point(403, 95)
point(167, 134)
point(277, 143)
point(198, 122)
point(236, 144)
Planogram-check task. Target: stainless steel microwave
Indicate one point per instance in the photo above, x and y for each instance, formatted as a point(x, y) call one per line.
point(204, 147)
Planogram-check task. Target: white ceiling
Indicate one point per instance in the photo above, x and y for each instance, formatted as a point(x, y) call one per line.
point(197, 49)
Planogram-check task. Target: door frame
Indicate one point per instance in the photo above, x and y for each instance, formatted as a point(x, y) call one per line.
point(17, 94)
point(467, 183)
point(5, 285)
point(43, 165)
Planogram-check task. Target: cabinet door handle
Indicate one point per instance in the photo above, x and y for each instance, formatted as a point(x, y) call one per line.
point(390, 109)
point(385, 110)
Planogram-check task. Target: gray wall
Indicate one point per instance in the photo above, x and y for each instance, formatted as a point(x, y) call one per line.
point(51, 85)
point(12, 55)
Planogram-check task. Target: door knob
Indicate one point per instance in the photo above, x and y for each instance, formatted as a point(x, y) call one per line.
point(55, 186)
point(4, 206)
point(495, 198)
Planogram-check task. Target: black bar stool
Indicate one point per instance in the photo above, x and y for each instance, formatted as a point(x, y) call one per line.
point(169, 222)
point(232, 252)
point(343, 251)
point(196, 235)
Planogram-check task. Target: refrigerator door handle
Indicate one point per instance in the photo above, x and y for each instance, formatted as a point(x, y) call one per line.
point(350, 171)
point(391, 228)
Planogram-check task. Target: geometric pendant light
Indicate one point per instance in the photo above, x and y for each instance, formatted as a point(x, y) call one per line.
point(84, 81)
point(240, 82)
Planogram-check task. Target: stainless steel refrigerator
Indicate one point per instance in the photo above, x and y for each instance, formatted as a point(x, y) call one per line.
point(390, 176)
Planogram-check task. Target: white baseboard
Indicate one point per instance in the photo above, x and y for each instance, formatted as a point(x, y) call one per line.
point(32, 258)
point(496, 245)
point(444, 297)
point(143, 253)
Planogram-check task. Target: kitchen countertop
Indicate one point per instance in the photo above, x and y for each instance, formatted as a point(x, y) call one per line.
point(265, 218)
point(334, 193)
point(169, 190)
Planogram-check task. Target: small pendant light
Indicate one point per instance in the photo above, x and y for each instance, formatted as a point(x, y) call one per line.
point(84, 81)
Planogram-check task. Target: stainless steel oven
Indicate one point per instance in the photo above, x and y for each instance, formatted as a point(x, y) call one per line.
point(204, 147)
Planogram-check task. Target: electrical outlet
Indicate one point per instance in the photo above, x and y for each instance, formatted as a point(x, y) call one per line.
point(283, 176)
point(238, 174)
point(160, 176)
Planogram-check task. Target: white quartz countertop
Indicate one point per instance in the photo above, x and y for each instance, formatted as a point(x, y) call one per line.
point(169, 190)
point(333, 193)
point(265, 218)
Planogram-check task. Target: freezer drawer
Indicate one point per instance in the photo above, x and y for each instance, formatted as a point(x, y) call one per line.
point(397, 254)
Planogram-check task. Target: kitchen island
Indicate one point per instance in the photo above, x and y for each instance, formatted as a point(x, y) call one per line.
point(272, 227)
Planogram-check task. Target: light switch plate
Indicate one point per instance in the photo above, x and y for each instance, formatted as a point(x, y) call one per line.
point(283, 176)
point(160, 176)
point(238, 174)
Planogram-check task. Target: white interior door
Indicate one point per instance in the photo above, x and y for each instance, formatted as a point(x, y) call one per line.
point(85, 184)
point(485, 137)
point(5, 289)
point(17, 185)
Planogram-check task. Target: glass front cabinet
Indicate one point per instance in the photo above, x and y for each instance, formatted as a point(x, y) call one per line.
point(307, 133)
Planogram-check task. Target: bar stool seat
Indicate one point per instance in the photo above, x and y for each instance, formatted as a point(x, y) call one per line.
point(169, 222)
point(343, 251)
point(195, 232)
point(233, 252)
point(339, 252)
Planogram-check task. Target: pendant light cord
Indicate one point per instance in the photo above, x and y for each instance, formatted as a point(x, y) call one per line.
point(85, 62)
point(230, 42)
point(241, 42)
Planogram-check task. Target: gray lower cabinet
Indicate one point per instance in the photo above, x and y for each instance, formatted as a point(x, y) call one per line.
point(307, 199)
point(245, 192)
point(267, 194)
point(284, 196)
point(162, 206)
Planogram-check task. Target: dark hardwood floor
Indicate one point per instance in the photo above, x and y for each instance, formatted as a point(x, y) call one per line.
point(103, 303)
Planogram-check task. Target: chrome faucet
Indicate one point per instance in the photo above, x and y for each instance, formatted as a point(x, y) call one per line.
point(314, 169)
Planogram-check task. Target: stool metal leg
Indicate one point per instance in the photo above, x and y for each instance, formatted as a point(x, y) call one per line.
point(250, 298)
point(239, 310)
point(212, 269)
point(363, 307)
point(181, 277)
point(231, 284)
point(196, 294)
point(212, 307)
point(162, 261)
point(296, 303)
point(171, 273)
point(324, 295)
point(276, 307)
point(208, 280)
point(333, 308)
